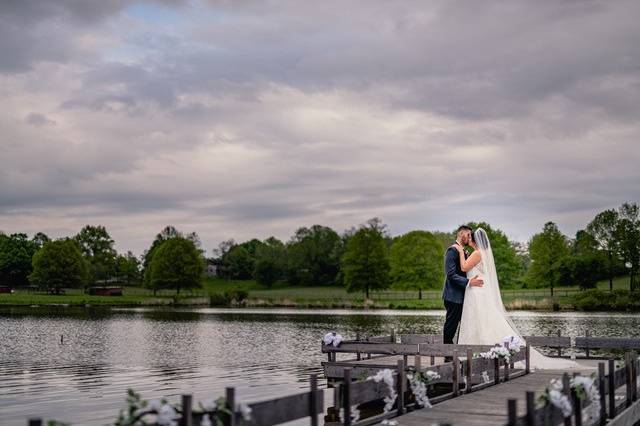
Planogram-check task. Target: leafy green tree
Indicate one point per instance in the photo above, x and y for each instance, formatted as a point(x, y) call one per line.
point(221, 259)
point(97, 247)
point(509, 267)
point(314, 256)
point(416, 261)
point(628, 238)
point(603, 229)
point(546, 249)
point(270, 262)
point(167, 233)
point(582, 270)
point(59, 264)
point(128, 268)
point(240, 263)
point(16, 252)
point(365, 262)
point(177, 264)
point(40, 238)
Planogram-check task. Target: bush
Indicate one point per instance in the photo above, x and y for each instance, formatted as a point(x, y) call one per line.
point(228, 298)
point(598, 300)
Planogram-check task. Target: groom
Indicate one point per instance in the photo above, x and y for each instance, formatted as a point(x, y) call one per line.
point(455, 284)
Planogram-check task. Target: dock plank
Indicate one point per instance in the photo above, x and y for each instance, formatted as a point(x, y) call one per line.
point(485, 407)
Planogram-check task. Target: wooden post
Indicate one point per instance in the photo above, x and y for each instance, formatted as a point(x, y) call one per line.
point(393, 335)
point(512, 411)
point(313, 407)
point(230, 395)
point(358, 340)
point(566, 389)
point(35, 422)
point(346, 397)
point(577, 409)
point(559, 347)
point(602, 391)
point(506, 370)
point(586, 350)
point(402, 382)
point(634, 375)
point(405, 359)
point(469, 370)
point(531, 408)
point(612, 389)
point(629, 381)
point(496, 371)
point(187, 416)
point(527, 359)
point(455, 377)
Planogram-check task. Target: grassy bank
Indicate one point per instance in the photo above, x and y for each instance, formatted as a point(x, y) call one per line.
point(218, 292)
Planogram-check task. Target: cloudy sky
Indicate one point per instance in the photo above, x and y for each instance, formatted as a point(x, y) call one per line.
point(240, 119)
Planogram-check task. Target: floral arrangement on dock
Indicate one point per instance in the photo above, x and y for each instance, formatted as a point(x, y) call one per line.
point(332, 338)
point(509, 346)
point(140, 412)
point(585, 389)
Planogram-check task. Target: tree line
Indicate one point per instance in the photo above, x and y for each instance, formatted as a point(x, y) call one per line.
point(364, 259)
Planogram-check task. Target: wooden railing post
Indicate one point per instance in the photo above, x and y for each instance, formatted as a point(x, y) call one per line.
point(512, 412)
point(559, 347)
point(602, 389)
point(577, 408)
point(401, 388)
point(313, 394)
point(586, 350)
point(628, 376)
point(527, 359)
point(187, 416)
point(566, 389)
point(230, 395)
point(346, 397)
point(496, 371)
point(35, 422)
point(531, 408)
point(469, 371)
point(634, 375)
point(612, 388)
point(455, 376)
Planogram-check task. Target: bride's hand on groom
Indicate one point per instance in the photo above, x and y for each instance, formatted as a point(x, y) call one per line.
point(476, 281)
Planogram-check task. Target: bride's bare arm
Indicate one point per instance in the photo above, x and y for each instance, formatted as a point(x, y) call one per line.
point(467, 264)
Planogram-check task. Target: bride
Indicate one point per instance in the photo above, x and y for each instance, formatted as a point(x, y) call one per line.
point(484, 318)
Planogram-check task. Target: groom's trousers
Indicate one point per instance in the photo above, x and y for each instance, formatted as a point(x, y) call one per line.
point(452, 320)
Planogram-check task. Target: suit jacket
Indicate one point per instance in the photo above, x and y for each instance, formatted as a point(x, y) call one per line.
point(455, 281)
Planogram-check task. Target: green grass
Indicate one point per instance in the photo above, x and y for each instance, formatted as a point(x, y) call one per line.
point(80, 299)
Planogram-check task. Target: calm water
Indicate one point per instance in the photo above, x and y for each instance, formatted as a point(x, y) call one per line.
point(263, 353)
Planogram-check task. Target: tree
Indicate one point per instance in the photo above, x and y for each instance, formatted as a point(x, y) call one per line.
point(603, 229)
point(546, 249)
point(240, 263)
point(16, 252)
point(59, 264)
point(177, 264)
point(168, 232)
point(509, 267)
point(40, 238)
point(221, 259)
point(416, 261)
point(128, 268)
point(314, 256)
point(270, 262)
point(628, 238)
point(97, 247)
point(582, 270)
point(365, 262)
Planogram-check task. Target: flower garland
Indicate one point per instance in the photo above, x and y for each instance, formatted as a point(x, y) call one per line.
point(386, 376)
point(585, 389)
point(418, 382)
point(160, 412)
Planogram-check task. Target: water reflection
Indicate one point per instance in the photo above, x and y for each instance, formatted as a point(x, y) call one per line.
point(162, 352)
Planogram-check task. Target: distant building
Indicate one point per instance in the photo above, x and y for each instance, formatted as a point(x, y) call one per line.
point(212, 270)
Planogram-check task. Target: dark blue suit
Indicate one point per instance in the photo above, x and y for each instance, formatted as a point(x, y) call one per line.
point(455, 284)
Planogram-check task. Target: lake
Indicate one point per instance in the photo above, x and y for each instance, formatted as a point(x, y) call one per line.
point(263, 353)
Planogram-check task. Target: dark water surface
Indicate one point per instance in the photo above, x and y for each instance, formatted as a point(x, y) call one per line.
point(263, 353)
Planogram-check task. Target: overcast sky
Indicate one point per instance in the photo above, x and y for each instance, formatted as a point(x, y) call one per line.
point(241, 119)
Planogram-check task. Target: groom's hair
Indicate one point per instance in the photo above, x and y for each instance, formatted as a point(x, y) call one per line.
point(464, 228)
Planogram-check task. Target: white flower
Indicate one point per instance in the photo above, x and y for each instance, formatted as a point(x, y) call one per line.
point(332, 338)
point(206, 421)
point(388, 422)
point(154, 405)
point(485, 377)
point(166, 416)
point(209, 404)
point(354, 413)
point(513, 342)
point(245, 410)
point(561, 401)
point(432, 375)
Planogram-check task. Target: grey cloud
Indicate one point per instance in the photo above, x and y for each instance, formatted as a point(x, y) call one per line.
point(37, 119)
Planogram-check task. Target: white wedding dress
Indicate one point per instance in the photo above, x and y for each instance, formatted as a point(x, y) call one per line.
point(484, 318)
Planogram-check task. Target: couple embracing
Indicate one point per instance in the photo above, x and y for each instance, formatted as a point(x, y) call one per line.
point(473, 301)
